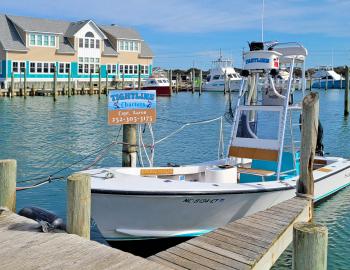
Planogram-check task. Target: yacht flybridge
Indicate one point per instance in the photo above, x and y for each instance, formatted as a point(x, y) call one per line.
point(222, 76)
point(260, 170)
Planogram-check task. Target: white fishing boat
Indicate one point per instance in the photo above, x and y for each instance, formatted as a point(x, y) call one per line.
point(261, 168)
point(326, 77)
point(222, 76)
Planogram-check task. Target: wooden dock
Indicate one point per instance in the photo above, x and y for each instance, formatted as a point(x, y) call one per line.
point(22, 246)
point(253, 242)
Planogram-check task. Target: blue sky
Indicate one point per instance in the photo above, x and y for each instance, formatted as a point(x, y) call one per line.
point(183, 33)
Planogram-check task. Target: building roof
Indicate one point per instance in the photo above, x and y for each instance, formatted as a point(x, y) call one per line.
point(120, 32)
point(108, 49)
point(64, 46)
point(145, 50)
point(11, 40)
point(9, 37)
point(30, 24)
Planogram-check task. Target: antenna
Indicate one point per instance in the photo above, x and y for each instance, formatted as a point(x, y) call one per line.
point(262, 20)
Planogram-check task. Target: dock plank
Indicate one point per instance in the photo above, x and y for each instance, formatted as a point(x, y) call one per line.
point(23, 247)
point(253, 242)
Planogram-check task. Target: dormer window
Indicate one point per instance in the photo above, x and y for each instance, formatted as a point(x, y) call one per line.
point(89, 41)
point(128, 45)
point(42, 40)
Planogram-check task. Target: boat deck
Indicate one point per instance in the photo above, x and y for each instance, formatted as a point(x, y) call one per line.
point(253, 242)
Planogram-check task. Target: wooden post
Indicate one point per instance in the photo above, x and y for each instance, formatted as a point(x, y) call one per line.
point(225, 83)
point(25, 83)
point(171, 81)
point(12, 92)
point(106, 82)
point(177, 83)
point(82, 92)
point(99, 83)
point(79, 205)
point(63, 90)
point(346, 92)
point(129, 148)
point(91, 87)
point(54, 83)
point(123, 79)
point(193, 80)
point(69, 86)
point(200, 81)
point(326, 86)
point(8, 170)
point(139, 78)
point(32, 91)
point(309, 246)
point(309, 129)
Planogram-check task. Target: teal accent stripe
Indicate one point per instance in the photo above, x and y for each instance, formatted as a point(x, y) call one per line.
point(331, 192)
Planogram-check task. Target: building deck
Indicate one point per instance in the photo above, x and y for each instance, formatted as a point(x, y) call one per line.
point(253, 242)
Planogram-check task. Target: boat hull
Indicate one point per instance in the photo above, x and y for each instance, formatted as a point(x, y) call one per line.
point(331, 84)
point(164, 91)
point(218, 86)
point(155, 215)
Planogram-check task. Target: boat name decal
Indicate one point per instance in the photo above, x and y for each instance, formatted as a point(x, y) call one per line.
point(204, 200)
point(257, 60)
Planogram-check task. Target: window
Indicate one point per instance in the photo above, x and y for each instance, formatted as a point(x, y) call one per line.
point(97, 43)
point(32, 39)
point(121, 69)
point(39, 40)
point(87, 65)
point(18, 67)
point(81, 43)
point(89, 35)
point(135, 69)
point(22, 66)
point(128, 45)
point(111, 69)
point(32, 67)
point(39, 67)
point(61, 69)
point(92, 43)
point(52, 41)
point(52, 67)
point(46, 40)
point(67, 68)
point(86, 43)
point(15, 67)
point(46, 67)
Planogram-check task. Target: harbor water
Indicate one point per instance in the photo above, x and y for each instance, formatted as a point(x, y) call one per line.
point(47, 138)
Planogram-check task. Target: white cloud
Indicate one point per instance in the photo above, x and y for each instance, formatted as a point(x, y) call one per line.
point(294, 16)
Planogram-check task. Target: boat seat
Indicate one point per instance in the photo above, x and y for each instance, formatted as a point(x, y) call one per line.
point(257, 172)
point(253, 153)
point(156, 171)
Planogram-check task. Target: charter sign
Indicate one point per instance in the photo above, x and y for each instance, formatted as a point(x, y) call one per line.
point(131, 107)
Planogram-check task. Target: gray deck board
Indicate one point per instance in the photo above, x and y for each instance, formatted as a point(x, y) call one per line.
point(253, 242)
point(23, 247)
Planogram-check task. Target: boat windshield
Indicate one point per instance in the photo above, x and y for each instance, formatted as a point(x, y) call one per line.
point(258, 126)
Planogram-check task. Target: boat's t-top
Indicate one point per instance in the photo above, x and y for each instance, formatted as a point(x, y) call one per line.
point(263, 103)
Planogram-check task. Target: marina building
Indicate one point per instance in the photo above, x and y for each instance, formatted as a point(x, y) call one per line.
point(34, 48)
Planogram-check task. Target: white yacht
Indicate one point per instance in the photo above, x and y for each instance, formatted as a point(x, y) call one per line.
point(261, 168)
point(326, 76)
point(216, 79)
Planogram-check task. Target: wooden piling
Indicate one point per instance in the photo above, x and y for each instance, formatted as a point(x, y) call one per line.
point(326, 86)
point(91, 86)
point(8, 170)
point(79, 205)
point(63, 90)
point(309, 129)
point(12, 91)
point(171, 81)
point(346, 92)
point(32, 91)
point(225, 83)
point(99, 83)
point(69, 84)
point(24, 82)
point(177, 83)
point(193, 80)
point(54, 83)
point(139, 78)
point(309, 246)
point(200, 81)
point(106, 82)
point(129, 147)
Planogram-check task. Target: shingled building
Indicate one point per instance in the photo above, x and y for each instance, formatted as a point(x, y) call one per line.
point(77, 49)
